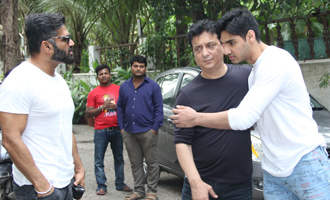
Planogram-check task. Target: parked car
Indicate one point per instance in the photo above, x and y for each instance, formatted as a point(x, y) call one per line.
point(171, 81)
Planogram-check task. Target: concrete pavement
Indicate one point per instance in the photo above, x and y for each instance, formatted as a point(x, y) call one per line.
point(169, 187)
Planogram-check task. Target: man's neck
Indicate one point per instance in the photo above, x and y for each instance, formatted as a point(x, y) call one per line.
point(137, 81)
point(256, 51)
point(46, 66)
point(216, 73)
point(105, 84)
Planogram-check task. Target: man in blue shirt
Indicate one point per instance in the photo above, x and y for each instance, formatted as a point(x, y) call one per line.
point(140, 114)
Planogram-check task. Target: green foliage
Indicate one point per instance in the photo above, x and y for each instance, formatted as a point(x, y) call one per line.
point(84, 64)
point(2, 77)
point(324, 80)
point(119, 57)
point(95, 64)
point(121, 75)
point(79, 93)
point(163, 50)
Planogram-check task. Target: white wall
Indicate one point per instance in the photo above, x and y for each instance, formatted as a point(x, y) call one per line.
point(312, 71)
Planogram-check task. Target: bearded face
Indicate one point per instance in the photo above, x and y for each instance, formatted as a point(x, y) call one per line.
point(63, 56)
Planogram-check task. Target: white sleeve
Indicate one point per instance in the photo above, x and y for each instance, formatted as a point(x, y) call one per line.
point(15, 97)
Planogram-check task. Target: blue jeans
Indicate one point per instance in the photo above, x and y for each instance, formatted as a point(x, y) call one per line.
point(310, 179)
point(101, 139)
point(225, 191)
point(27, 192)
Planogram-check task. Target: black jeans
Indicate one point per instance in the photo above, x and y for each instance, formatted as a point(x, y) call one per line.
point(26, 192)
point(225, 191)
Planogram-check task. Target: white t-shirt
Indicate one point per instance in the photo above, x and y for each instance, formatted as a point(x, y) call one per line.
point(279, 102)
point(48, 133)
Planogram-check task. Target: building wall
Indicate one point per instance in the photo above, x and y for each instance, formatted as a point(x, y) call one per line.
point(312, 71)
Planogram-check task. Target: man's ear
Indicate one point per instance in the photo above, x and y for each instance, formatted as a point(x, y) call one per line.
point(250, 36)
point(46, 46)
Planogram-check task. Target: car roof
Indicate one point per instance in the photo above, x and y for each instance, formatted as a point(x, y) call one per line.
point(178, 70)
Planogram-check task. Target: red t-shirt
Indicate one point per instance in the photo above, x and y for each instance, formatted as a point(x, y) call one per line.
point(96, 98)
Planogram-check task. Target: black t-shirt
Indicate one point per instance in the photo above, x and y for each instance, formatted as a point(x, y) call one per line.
point(220, 155)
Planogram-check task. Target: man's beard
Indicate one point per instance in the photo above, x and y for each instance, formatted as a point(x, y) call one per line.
point(62, 56)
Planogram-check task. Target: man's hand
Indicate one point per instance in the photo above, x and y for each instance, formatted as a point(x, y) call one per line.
point(184, 117)
point(79, 179)
point(201, 191)
point(154, 132)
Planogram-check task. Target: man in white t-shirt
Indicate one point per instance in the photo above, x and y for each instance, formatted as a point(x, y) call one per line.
point(36, 111)
point(295, 161)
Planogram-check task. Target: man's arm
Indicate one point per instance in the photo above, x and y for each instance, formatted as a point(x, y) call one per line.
point(158, 104)
point(92, 112)
point(13, 126)
point(78, 166)
point(120, 109)
point(199, 189)
point(186, 117)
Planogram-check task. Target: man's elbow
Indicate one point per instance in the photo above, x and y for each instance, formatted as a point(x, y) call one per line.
point(8, 143)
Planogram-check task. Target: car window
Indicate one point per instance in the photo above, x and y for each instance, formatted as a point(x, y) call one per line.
point(168, 87)
point(159, 81)
point(186, 79)
point(315, 104)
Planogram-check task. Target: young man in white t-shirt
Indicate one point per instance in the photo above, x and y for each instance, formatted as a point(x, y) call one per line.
point(295, 161)
point(36, 111)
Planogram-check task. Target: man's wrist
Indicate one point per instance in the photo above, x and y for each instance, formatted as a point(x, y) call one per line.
point(45, 192)
point(100, 108)
point(195, 119)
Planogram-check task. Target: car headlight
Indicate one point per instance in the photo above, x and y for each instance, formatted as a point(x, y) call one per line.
point(257, 152)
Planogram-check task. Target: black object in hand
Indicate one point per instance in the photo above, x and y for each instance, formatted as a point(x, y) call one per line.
point(77, 191)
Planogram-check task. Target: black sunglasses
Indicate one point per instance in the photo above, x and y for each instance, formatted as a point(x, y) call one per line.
point(66, 38)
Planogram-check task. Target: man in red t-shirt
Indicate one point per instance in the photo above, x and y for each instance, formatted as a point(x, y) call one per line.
point(101, 104)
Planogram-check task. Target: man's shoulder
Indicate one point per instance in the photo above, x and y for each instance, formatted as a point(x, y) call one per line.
point(95, 89)
point(152, 82)
point(125, 83)
point(191, 86)
point(240, 66)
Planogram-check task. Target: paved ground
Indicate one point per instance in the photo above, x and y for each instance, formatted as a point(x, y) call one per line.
point(169, 187)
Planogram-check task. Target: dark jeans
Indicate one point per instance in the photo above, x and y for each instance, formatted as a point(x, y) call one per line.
point(27, 192)
point(101, 140)
point(225, 191)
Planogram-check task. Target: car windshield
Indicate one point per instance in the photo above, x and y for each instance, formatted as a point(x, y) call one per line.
point(315, 104)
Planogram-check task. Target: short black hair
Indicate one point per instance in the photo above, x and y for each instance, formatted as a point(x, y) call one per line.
point(238, 22)
point(139, 59)
point(40, 27)
point(100, 67)
point(199, 27)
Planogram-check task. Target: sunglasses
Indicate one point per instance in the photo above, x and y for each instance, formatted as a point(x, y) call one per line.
point(66, 38)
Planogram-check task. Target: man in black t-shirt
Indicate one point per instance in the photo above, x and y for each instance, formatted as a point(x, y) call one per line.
point(217, 163)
